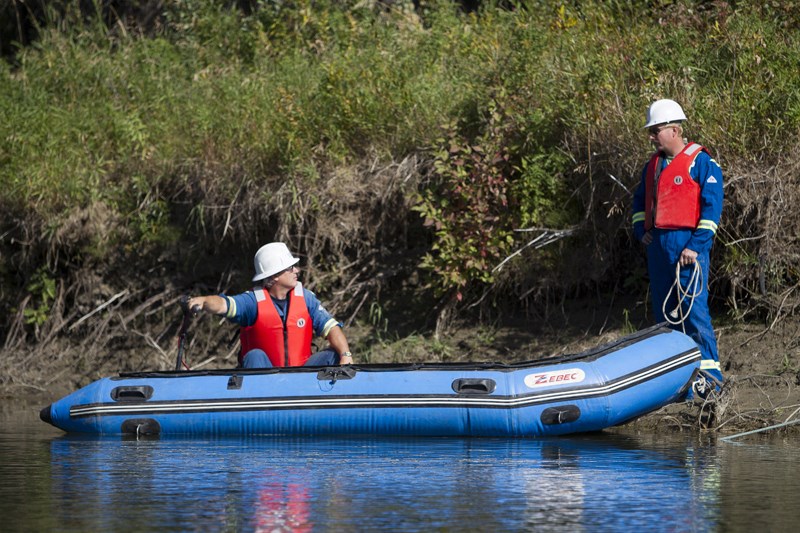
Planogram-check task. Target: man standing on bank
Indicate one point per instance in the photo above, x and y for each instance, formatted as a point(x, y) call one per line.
point(279, 318)
point(676, 212)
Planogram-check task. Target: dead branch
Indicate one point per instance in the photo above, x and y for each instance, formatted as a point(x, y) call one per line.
point(152, 343)
point(144, 305)
point(17, 324)
point(204, 363)
point(99, 308)
point(548, 236)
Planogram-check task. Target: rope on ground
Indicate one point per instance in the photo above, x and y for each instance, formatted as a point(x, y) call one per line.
point(776, 426)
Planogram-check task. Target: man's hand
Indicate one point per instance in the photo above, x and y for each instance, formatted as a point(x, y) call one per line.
point(195, 305)
point(688, 257)
point(647, 238)
point(211, 304)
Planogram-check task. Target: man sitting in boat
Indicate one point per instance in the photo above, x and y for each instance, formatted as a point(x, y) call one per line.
point(279, 318)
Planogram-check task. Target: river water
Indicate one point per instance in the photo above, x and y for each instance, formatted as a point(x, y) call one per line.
point(608, 481)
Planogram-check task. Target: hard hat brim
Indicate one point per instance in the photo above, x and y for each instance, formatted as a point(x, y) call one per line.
point(672, 122)
point(265, 275)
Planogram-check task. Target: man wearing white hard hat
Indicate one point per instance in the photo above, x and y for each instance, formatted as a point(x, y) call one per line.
point(676, 212)
point(279, 318)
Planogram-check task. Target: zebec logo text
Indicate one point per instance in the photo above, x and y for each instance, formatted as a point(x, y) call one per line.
point(558, 377)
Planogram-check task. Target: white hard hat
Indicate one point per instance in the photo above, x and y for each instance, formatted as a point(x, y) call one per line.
point(271, 259)
point(664, 112)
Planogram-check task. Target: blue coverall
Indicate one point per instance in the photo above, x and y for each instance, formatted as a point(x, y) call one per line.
point(666, 247)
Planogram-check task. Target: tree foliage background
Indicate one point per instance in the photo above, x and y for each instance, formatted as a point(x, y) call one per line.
point(431, 158)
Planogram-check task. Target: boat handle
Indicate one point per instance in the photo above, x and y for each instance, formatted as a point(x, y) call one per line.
point(474, 385)
point(134, 393)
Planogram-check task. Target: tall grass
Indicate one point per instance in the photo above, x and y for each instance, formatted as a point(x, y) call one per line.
point(277, 116)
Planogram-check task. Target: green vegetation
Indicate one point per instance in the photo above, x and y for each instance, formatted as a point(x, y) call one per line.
point(383, 142)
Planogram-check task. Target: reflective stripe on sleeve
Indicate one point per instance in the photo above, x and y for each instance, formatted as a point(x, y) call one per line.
point(638, 217)
point(231, 307)
point(328, 327)
point(707, 224)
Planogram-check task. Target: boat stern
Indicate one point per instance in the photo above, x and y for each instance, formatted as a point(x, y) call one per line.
point(58, 413)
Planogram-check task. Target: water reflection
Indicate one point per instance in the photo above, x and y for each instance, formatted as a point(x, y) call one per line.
point(602, 482)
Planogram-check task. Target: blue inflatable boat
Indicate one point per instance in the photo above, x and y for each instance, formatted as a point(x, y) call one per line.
point(596, 389)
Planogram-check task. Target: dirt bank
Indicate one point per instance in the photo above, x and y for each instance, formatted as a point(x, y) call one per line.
point(762, 387)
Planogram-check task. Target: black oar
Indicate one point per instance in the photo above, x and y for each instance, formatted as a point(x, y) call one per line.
point(187, 317)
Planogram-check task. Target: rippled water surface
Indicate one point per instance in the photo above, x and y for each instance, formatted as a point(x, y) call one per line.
point(600, 482)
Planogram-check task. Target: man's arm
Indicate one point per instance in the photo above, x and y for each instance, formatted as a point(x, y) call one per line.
point(638, 212)
point(216, 305)
point(327, 327)
point(241, 309)
point(708, 174)
point(339, 343)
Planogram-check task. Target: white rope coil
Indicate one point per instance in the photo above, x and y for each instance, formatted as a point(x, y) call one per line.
point(693, 289)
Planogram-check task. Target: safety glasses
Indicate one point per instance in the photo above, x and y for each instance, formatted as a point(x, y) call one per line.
point(655, 130)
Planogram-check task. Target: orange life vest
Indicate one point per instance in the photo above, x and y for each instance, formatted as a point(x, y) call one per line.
point(285, 343)
point(676, 202)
